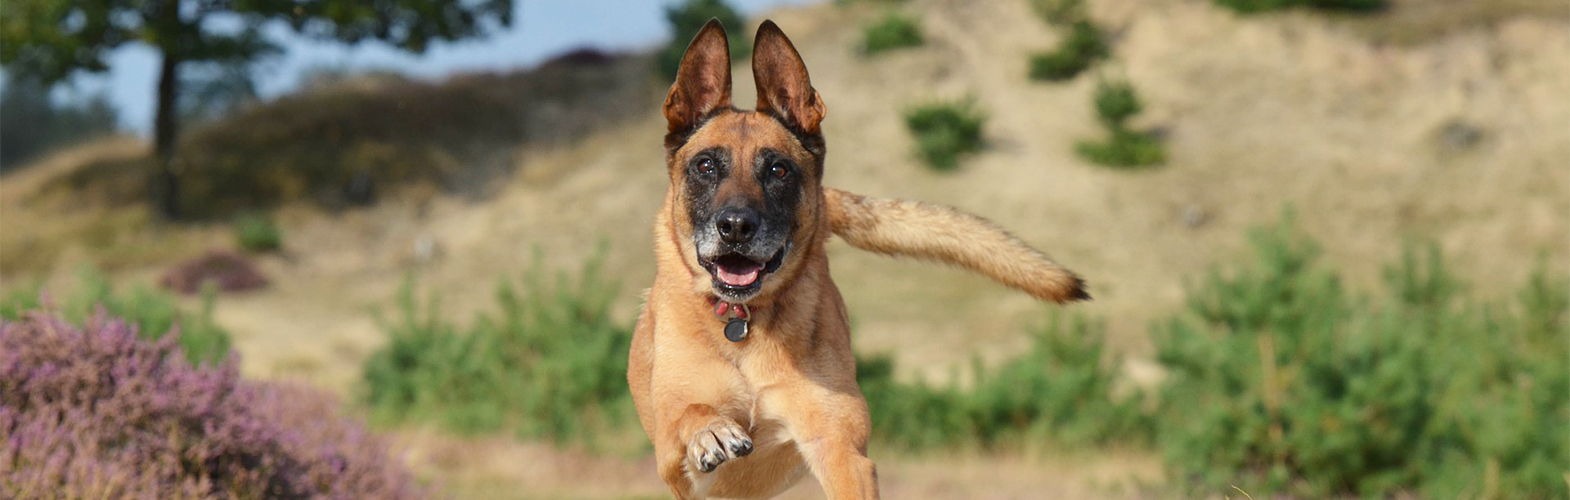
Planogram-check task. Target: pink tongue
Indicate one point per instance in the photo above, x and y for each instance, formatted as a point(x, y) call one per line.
point(743, 278)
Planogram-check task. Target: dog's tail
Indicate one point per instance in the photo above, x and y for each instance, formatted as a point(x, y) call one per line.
point(925, 231)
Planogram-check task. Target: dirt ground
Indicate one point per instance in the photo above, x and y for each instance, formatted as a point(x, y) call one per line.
point(1376, 135)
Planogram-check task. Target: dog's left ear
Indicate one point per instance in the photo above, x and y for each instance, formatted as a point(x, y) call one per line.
point(783, 87)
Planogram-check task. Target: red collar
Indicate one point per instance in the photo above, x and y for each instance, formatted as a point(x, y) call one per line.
point(725, 309)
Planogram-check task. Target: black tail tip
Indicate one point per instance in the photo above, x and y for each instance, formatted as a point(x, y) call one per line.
point(1079, 293)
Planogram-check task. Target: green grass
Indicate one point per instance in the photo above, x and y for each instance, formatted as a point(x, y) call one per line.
point(945, 131)
point(1084, 45)
point(894, 31)
point(153, 313)
point(548, 362)
point(257, 233)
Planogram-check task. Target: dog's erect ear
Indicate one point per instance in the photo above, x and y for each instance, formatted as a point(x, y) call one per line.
point(783, 87)
point(703, 82)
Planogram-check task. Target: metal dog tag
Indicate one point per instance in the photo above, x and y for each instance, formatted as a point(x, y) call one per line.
point(736, 330)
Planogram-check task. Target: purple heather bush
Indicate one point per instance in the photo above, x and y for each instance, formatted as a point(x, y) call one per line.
point(96, 412)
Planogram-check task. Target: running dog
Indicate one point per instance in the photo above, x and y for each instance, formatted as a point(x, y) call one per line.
point(741, 366)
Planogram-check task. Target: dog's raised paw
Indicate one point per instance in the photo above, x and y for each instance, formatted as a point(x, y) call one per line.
point(723, 439)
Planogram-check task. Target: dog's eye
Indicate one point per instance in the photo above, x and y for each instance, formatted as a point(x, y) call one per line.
point(706, 166)
point(779, 170)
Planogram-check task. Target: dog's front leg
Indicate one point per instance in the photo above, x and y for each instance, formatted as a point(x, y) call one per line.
point(831, 428)
point(698, 440)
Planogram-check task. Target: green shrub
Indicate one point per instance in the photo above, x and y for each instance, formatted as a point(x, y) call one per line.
point(944, 131)
point(1116, 102)
point(1058, 392)
point(1123, 149)
point(549, 362)
point(1350, 5)
point(1084, 46)
point(892, 32)
point(1060, 12)
point(1286, 384)
point(1254, 6)
point(154, 314)
point(257, 233)
point(685, 21)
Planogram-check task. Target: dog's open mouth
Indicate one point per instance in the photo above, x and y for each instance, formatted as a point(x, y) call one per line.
point(739, 276)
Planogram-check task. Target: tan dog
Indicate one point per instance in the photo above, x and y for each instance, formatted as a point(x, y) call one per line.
point(741, 363)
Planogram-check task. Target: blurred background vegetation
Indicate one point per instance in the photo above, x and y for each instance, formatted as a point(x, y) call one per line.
point(1327, 239)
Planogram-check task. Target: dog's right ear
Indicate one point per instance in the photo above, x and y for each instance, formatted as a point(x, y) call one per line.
point(703, 82)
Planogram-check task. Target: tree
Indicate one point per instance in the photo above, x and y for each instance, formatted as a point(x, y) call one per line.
point(52, 39)
point(687, 18)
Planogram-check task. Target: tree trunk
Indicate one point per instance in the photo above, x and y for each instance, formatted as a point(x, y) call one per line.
point(166, 181)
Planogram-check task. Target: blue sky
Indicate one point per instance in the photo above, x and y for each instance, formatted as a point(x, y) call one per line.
point(541, 28)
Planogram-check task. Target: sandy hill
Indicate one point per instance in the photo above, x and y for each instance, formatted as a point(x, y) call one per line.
point(1459, 138)
point(1260, 113)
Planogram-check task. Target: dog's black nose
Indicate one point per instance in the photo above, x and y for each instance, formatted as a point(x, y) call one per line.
point(736, 225)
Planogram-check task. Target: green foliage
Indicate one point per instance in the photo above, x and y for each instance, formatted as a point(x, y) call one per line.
point(1123, 148)
point(685, 21)
point(32, 124)
point(1252, 6)
point(944, 131)
point(549, 362)
point(1058, 392)
point(1084, 46)
point(153, 313)
point(1255, 6)
point(1350, 5)
point(1060, 12)
point(34, 39)
point(1116, 102)
point(215, 92)
point(1284, 383)
point(257, 233)
point(892, 32)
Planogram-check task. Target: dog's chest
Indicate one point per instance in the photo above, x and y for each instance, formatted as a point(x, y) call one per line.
point(762, 386)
